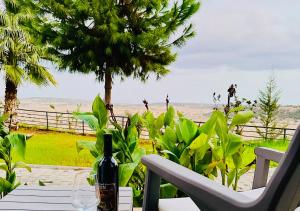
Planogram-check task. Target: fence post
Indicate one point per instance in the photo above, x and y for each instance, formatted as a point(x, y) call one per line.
point(122, 122)
point(82, 127)
point(47, 120)
point(284, 133)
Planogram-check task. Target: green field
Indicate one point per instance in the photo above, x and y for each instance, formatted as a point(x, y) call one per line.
point(55, 148)
point(249, 155)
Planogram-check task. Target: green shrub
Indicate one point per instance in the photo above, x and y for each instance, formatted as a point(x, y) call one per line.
point(9, 142)
point(208, 150)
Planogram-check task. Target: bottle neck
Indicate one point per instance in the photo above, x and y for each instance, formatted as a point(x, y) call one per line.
point(107, 147)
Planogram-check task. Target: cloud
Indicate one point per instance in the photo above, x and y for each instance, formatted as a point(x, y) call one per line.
point(237, 41)
point(244, 35)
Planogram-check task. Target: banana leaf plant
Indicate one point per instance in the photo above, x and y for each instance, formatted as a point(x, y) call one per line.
point(228, 148)
point(8, 143)
point(185, 143)
point(207, 150)
point(156, 125)
point(125, 145)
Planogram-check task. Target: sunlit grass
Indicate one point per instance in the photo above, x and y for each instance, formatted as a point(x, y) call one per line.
point(250, 146)
point(55, 148)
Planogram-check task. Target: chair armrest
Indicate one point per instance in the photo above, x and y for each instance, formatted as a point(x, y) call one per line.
point(263, 158)
point(207, 194)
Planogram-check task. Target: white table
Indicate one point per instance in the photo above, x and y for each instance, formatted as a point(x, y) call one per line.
point(31, 198)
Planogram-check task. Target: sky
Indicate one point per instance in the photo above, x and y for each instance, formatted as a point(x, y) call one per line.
point(241, 42)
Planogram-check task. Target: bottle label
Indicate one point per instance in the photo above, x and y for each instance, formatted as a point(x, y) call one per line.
point(108, 196)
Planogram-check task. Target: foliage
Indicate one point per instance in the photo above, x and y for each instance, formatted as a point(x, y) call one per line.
point(20, 54)
point(116, 38)
point(8, 143)
point(268, 110)
point(228, 147)
point(207, 150)
point(234, 104)
point(125, 146)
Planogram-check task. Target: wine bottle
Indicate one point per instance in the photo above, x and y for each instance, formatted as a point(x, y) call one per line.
point(107, 177)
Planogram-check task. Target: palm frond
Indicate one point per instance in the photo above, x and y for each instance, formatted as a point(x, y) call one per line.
point(20, 55)
point(39, 75)
point(14, 73)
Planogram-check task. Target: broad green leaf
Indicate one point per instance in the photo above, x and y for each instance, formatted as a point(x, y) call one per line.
point(188, 130)
point(237, 160)
point(12, 177)
point(169, 138)
point(3, 129)
point(241, 118)
point(3, 154)
point(150, 124)
point(221, 165)
point(169, 116)
point(171, 155)
point(100, 112)
point(89, 145)
point(209, 126)
point(137, 154)
point(200, 141)
point(21, 164)
point(221, 128)
point(134, 120)
point(18, 142)
point(168, 191)
point(217, 153)
point(125, 172)
point(211, 167)
point(202, 164)
point(244, 171)
point(5, 186)
point(215, 172)
point(237, 109)
point(15, 186)
point(231, 176)
point(185, 158)
point(234, 144)
point(100, 140)
point(178, 132)
point(89, 118)
point(3, 167)
point(159, 122)
point(201, 152)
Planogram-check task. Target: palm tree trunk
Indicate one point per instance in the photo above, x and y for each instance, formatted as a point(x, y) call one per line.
point(10, 105)
point(107, 87)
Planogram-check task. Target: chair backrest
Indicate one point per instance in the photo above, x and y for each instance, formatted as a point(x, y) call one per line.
point(283, 191)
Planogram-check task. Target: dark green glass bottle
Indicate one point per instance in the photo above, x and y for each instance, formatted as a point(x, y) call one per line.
point(107, 177)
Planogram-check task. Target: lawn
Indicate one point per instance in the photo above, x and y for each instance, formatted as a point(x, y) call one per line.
point(249, 155)
point(55, 148)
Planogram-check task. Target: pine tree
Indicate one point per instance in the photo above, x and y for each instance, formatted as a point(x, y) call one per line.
point(268, 110)
point(116, 37)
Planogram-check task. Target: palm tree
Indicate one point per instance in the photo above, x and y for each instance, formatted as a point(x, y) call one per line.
point(20, 56)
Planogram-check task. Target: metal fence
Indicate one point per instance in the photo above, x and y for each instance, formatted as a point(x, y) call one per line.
point(65, 122)
point(56, 121)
